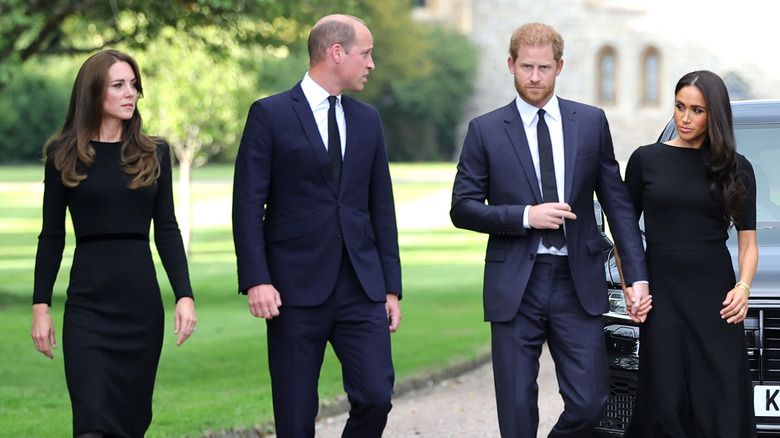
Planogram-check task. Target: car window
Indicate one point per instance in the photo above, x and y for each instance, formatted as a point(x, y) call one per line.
point(761, 145)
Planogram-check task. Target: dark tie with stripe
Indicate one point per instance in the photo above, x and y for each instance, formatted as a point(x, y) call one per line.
point(334, 141)
point(550, 238)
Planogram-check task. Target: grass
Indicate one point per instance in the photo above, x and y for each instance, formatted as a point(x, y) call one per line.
point(218, 380)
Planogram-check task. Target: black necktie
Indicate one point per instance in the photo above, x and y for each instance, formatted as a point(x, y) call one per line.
point(554, 238)
point(334, 141)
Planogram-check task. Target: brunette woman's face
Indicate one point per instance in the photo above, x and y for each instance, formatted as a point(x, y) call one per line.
point(121, 94)
point(690, 116)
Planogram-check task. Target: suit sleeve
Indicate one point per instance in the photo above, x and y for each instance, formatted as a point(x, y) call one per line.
point(617, 204)
point(167, 236)
point(470, 192)
point(634, 181)
point(250, 193)
point(383, 220)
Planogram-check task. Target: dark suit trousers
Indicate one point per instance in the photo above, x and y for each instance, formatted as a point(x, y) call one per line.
point(357, 328)
point(551, 311)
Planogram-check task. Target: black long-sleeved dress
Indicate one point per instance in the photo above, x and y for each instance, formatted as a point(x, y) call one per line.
point(113, 326)
point(694, 378)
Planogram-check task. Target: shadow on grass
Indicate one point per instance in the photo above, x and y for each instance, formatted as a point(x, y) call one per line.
point(8, 299)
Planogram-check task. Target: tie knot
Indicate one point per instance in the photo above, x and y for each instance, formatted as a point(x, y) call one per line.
point(332, 100)
point(541, 113)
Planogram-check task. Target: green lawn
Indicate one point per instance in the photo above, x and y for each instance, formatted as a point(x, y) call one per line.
point(218, 380)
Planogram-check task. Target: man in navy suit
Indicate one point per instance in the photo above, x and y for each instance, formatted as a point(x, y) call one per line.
point(527, 179)
point(316, 238)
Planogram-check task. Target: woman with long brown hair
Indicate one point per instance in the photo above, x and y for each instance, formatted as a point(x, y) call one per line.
point(694, 377)
point(115, 180)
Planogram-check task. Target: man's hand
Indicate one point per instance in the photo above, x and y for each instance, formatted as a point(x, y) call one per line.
point(264, 301)
point(393, 308)
point(638, 301)
point(549, 215)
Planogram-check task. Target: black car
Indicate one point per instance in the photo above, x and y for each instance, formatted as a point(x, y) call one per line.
point(757, 130)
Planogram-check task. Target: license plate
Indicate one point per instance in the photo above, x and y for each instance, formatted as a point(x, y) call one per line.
point(766, 400)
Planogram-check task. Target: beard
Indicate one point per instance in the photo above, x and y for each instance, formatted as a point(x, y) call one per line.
point(534, 94)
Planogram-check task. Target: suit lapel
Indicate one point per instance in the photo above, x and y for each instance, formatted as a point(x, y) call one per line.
point(305, 116)
point(353, 138)
point(570, 146)
point(516, 133)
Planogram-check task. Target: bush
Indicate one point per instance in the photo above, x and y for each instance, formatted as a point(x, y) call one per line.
point(33, 107)
point(421, 114)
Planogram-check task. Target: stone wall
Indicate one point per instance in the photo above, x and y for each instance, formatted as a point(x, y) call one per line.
point(587, 26)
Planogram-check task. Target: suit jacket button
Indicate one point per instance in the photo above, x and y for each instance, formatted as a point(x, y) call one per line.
point(338, 235)
point(531, 256)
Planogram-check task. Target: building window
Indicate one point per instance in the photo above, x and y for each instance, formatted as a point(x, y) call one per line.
point(607, 76)
point(651, 77)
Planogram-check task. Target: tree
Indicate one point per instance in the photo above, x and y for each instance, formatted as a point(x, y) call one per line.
point(196, 100)
point(422, 114)
point(62, 27)
point(33, 108)
point(423, 78)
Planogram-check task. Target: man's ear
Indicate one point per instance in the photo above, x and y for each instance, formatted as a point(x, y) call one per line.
point(336, 51)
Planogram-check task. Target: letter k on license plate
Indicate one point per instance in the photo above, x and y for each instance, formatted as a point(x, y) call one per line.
point(766, 401)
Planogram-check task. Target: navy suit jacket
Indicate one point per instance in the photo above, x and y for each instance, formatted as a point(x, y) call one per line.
point(290, 219)
point(496, 180)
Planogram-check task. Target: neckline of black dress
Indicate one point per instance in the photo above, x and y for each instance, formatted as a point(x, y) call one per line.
point(679, 147)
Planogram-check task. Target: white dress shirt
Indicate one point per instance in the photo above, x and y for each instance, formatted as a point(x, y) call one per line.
point(318, 101)
point(529, 114)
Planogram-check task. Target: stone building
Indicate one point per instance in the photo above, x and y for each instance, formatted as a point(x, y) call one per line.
point(622, 55)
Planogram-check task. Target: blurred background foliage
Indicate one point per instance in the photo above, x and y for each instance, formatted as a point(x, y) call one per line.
point(204, 61)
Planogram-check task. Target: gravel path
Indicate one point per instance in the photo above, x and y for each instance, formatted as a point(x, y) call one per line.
point(464, 406)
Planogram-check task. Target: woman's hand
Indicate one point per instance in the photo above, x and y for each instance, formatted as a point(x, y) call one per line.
point(43, 330)
point(185, 319)
point(735, 306)
point(638, 301)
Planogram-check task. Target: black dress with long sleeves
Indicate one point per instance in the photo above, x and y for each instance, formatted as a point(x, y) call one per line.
point(694, 377)
point(113, 325)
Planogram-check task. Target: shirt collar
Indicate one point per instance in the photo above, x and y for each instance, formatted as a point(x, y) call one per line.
point(528, 112)
point(314, 93)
